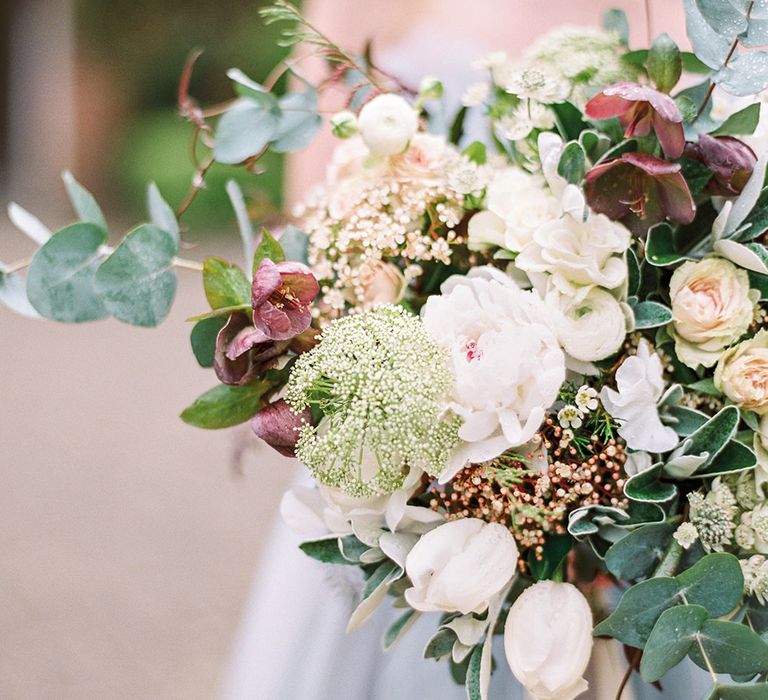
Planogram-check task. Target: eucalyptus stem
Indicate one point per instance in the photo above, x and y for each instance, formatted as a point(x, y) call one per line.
point(187, 264)
point(671, 559)
point(17, 266)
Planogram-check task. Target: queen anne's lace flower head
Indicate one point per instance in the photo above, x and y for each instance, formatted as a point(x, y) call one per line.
point(378, 379)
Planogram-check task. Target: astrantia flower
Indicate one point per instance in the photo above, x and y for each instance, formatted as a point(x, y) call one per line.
point(475, 94)
point(533, 81)
point(379, 380)
point(507, 363)
point(730, 160)
point(755, 570)
point(639, 108)
point(640, 384)
point(686, 535)
point(640, 190)
point(282, 294)
point(713, 514)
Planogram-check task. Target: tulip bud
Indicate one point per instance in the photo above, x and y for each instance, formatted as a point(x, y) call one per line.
point(548, 640)
point(344, 125)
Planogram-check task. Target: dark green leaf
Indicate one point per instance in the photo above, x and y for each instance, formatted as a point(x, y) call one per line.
point(268, 248)
point(633, 273)
point(638, 610)
point(243, 131)
point(472, 682)
point(325, 550)
point(684, 421)
point(457, 126)
point(570, 120)
point(714, 434)
point(740, 691)
point(441, 644)
point(734, 457)
point(671, 639)
point(137, 282)
point(556, 548)
point(398, 628)
point(572, 164)
point(83, 202)
point(741, 123)
point(730, 647)
point(203, 339)
point(638, 553)
point(646, 487)
point(225, 284)
point(225, 406)
point(661, 249)
point(352, 548)
point(60, 279)
point(224, 311)
point(385, 573)
point(705, 386)
point(476, 152)
point(664, 63)
point(759, 282)
point(650, 314)
point(692, 64)
point(714, 582)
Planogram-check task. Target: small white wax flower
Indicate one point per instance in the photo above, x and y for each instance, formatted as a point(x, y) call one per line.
point(475, 94)
point(586, 399)
point(548, 640)
point(570, 417)
point(343, 124)
point(640, 383)
point(460, 566)
point(686, 535)
point(387, 124)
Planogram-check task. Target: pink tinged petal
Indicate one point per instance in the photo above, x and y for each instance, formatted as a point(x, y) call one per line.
point(675, 198)
point(273, 322)
point(670, 135)
point(242, 351)
point(244, 341)
point(265, 282)
point(278, 426)
point(652, 165)
point(604, 106)
point(664, 106)
point(637, 121)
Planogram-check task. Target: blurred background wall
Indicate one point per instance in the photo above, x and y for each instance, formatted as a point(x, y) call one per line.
point(128, 540)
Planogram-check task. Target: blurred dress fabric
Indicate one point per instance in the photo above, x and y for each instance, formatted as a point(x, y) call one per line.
point(292, 643)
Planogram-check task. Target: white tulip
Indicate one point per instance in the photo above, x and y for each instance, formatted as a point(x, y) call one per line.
point(460, 566)
point(548, 640)
point(387, 124)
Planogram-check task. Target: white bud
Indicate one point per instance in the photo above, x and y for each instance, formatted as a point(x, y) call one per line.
point(344, 125)
point(387, 124)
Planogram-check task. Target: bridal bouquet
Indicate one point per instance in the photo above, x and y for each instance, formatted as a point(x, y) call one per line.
point(526, 367)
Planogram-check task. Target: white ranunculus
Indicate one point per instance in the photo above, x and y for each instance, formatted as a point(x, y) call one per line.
point(712, 306)
point(742, 374)
point(548, 640)
point(507, 363)
point(517, 204)
point(576, 252)
point(579, 318)
point(387, 124)
point(640, 382)
point(460, 566)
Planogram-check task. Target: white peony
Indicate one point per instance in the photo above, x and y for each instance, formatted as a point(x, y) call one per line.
point(460, 566)
point(576, 252)
point(548, 640)
point(578, 318)
point(507, 364)
point(712, 306)
point(516, 205)
point(387, 124)
point(640, 383)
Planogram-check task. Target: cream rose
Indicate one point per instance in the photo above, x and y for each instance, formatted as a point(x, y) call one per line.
point(742, 374)
point(460, 566)
point(387, 123)
point(516, 205)
point(378, 283)
point(578, 318)
point(712, 307)
point(548, 640)
point(576, 252)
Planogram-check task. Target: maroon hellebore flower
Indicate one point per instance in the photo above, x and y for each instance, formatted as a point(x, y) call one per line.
point(282, 294)
point(639, 107)
point(640, 190)
point(730, 159)
point(242, 351)
point(278, 426)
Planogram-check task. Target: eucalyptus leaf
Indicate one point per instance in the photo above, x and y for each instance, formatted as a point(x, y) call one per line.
point(710, 46)
point(745, 74)
point(295, 244)
point(225, 406)
point(299, 122)
point(730, 647)
point(243, 221)
point(28, 224)
point(137, 282)
point(61, 274)
point(638, 553)
point(670, 640)
point(245, 87)
point(714, 582)
point(244, 131)
point(616, 21)
point(83, 202)
point(160, 212)
point(13, 294)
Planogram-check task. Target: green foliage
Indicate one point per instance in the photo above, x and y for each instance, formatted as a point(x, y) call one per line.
point(473, 681)
point(326, 550)
point(671, 638)
point(160, 212)
point(137, 282)
point(714, 582)
point(556, 548)
point(573, 162)
point(203, 339)
point(651, 314)
point(441, 644)
point(295, 244)
point(225, 284)
point(639, 552)
point(244, 131)
point(225, 406)
point(662, 246)
point(83, 202)
point(398, 628)
point(665, 64)
point(616, 21)
point(61, 275)
point(268, 248)
point(729, 647)
point(569, 120)
point(646, 486)
point(740, 123)
point(476, 152)
point(299, 122)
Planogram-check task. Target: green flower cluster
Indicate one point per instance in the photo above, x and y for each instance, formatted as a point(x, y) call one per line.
point(377, 379)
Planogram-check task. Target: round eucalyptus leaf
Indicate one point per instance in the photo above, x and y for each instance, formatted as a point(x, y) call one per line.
point(671, 639)
point(243, 132)
point(715, 582)
point(299, 122)
point(638, 553)
point(730, 647)
point(60, 283)
point(137, 282)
